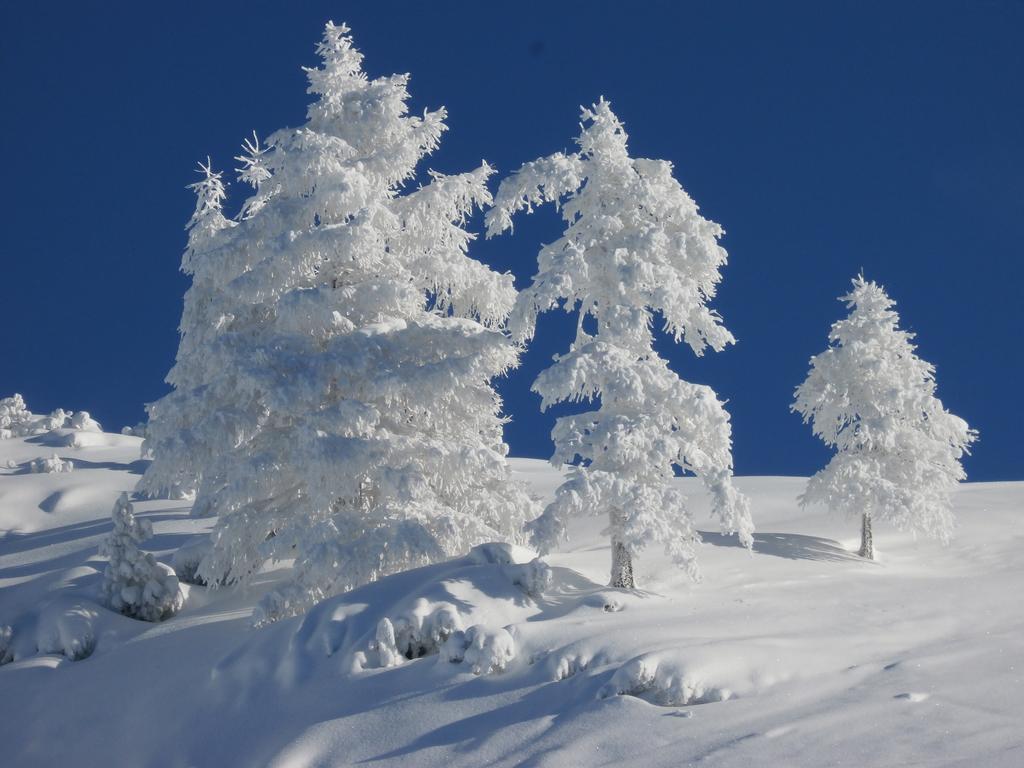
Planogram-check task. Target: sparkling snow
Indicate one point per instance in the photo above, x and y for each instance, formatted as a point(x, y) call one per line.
point(797, 654)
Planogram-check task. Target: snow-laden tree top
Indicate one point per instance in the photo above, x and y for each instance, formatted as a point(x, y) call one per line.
point(872, 398)
point(635, 243)
point(634, 248)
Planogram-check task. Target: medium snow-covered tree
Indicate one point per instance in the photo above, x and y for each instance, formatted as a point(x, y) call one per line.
point(871, 398)
point(352, 345)
point(134, 583)
point(634, 247)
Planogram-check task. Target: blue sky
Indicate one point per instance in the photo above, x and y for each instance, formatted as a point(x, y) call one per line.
point(824, 137)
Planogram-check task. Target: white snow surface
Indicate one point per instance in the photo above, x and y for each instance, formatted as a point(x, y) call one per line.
point(796, 654)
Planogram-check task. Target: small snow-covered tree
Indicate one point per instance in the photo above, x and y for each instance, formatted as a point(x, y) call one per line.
point(634, 246)
point(339, 407)
point(871, 398)
point(16, 419)
point(134, 583)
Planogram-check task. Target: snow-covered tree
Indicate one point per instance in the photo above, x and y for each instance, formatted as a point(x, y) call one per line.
point(871, 398)
point(634, 246)
point(134, 583)
point(341, 395)
point(181, 424)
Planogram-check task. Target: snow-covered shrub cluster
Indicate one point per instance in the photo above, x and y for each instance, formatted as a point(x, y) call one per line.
point(51, 464)
point(134, 583)
point(420, 631)
point(432, 627)
point(870, 397)
point(333, 400)
point(634, 246)
point(16, 420)
point(428, 629)
point(484, 650)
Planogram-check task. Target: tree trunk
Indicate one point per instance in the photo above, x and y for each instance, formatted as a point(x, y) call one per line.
point(622, 566)
point(867, 541)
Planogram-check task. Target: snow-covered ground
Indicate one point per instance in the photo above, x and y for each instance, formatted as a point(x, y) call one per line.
point(798, 654)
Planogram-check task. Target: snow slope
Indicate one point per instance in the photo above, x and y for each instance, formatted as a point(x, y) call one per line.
point(799, 654)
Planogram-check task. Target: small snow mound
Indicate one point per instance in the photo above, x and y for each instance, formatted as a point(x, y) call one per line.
point(606, 601)
point(661, 683)
point(534, 577)
point(52, 464)
point(520, 565)
point(67, 628)
point(499, 553)
point(91, 439)
point(139, 430)
point(571, 661)
point(916, 698)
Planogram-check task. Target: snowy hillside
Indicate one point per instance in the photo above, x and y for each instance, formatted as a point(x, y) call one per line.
point(798, 654)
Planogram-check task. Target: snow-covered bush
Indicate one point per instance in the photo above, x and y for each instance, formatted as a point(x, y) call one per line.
point(59, 419)
point(15, 418)
point(134, 583)
point(421, 631)
point(486, 651)
point(83, 422)
point(634, 246)
point(333, 401)
point(51, 464)
point(871, 398)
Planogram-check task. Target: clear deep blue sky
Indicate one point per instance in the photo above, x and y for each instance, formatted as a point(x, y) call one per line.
point(824, 137)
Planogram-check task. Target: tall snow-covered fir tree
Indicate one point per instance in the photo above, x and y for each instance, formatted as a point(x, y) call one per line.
point(634, 247)
point(355, 345)
point(871, 398)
